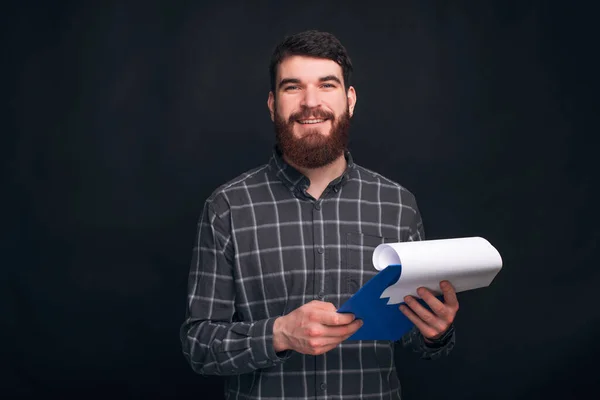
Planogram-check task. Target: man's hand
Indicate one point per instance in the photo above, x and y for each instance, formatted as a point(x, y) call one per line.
point(432, 324)
point(314, 328)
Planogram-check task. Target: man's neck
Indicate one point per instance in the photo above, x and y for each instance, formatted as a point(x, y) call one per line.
point(321, 177)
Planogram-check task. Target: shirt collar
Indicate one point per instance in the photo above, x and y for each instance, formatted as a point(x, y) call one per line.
point(296, 180)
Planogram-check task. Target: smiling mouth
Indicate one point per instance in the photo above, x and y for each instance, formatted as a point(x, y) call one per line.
point(310, 121)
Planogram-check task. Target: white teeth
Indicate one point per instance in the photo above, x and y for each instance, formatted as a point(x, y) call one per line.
point(311, 121)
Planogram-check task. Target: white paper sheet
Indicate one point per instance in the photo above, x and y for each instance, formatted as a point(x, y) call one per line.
point(468, 263)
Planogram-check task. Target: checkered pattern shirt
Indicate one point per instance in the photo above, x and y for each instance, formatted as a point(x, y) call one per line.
point(266, 247)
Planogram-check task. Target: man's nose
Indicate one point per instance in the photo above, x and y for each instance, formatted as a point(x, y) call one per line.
point(311, 98)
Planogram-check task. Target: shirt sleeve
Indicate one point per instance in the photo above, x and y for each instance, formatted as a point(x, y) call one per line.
point(214, 339)
point(414, 338)
point(430, 351)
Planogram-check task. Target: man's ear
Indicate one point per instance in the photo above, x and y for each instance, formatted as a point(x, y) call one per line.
point(271, 105)
point(351, 100)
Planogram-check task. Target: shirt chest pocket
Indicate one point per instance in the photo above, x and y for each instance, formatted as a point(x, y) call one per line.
point(358, 268)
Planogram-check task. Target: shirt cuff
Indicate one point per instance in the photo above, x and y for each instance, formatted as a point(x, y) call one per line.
point(261, 343)
point(442, 341)
point(430, 351)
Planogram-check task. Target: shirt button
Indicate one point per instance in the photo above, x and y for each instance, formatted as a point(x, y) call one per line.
point(321, 295)
point(320, 250)
point(317, 206)
point(323, 386)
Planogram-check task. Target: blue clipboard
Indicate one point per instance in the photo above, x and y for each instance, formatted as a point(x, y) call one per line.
point(380, 320)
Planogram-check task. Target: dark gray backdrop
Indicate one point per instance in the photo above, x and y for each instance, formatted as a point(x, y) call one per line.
point(126, 117)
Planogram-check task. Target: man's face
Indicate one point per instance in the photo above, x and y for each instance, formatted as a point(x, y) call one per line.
point(311, 110)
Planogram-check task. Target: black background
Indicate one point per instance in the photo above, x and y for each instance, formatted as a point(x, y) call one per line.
point(121, 118)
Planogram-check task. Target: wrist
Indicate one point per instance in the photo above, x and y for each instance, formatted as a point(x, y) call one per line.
point(279, 343)
point(441, 339)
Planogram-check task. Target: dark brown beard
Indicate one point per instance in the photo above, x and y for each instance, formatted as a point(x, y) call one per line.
point(313, 150)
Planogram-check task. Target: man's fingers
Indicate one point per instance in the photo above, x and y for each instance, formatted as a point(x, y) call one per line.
point(433, 302)
point(332, 337)
point(325, 313)
point(322, 305)
point(324, 341)
point(334, 318)
point(449, 294)
point(344, 330)
point(425, 329)
point(423, 314)
point(418, 309)
point(324, 348)
point(323, 338)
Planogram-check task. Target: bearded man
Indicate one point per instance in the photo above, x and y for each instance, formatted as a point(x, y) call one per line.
point(283, 245)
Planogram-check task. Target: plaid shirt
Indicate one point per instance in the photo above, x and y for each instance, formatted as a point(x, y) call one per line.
point(266, 247)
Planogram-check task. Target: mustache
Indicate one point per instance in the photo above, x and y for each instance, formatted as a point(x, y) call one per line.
point(306, 112)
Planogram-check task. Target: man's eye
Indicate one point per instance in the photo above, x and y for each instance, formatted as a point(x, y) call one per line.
point(328, 85)
point(290, 88)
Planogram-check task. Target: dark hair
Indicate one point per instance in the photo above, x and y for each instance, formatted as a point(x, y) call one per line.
point(313, 44)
